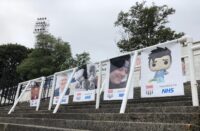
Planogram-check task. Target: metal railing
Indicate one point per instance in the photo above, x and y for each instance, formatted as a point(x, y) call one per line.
point(7, 95)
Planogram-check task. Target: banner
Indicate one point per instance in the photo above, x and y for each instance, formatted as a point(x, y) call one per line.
point(161, 72)
point(35, 91)
point(118, 72)
point(85, 83)
point(61, 82)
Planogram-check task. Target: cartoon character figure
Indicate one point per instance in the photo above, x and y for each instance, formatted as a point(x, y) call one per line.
point(159, 61)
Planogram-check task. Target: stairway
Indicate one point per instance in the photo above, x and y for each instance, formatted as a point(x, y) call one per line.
point(142, 114)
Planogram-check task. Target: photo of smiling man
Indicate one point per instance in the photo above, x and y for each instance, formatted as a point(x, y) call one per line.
point(61, 82)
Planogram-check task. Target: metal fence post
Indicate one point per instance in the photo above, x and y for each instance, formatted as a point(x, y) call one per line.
point(99, 86)
point(40, 93)
point(52, 92)
point(17, 93)
point(65, 90)
point(17, 100)
point(195, 99)
point(129, 83)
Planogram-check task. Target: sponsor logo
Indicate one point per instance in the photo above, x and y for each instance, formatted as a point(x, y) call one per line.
point(167, 90)
point(149, 86)
point(149, 92)
point(87, 97)
point(64, 100)
point(78, 98)
point(110, 96)
point(110, 91)
point(149, 89)
point(78, 94)
point(121, 94)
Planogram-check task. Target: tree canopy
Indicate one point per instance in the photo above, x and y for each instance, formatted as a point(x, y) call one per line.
point(144, 26)
point(11, 55)
point(46, 59)
point(78, 60)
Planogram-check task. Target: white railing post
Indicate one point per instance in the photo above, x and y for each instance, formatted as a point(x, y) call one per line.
point(17, 100)
point(63, 93)
point(40, 93)
point(17, 93)
point(98, 86)
point(52, 92)
point(129, 83)
point(194, 91)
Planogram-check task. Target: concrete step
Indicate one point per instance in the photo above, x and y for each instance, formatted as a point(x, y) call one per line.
point(103, 125)
point(167, 109)
point(138, 100)
point(108, 105)
point(183, 109)
point(135, 104)
point(152, 107)
point(22, 127)
point(191, 118)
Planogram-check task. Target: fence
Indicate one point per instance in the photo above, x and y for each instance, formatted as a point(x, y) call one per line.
point(47, 92)
point(7, 95)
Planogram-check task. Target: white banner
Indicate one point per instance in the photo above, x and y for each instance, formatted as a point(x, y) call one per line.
point(61, 82)
point(35, 90)
point(85, 83)
point(161, 72)
point(117, 76)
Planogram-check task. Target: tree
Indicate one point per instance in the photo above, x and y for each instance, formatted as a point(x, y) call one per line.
point(79, 60)
point(145, 26)
point(82, 59)
point(47, 58)
point(11, 55)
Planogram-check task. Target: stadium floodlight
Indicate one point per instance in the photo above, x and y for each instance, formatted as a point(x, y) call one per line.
point(41, 25)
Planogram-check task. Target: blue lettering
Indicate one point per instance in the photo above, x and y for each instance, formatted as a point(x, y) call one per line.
point(167, 90)
point(87, 97)
point(121, 94)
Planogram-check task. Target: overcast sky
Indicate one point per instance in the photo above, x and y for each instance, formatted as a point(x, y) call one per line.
point(88, 25)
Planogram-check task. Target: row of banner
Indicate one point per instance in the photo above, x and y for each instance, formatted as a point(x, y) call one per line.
point(161, 75)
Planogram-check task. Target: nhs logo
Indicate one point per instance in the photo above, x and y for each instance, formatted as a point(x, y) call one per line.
point(167, 90)
point(121, 94)
point(87, 97)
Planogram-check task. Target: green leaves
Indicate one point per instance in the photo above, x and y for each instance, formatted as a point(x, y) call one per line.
point(77, 61)
point(11, 55)
point(145, 26)
point(46, 59)
point(50, 55)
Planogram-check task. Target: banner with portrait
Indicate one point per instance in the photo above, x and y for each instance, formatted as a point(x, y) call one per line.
point(60, 85)
point(35, 91)
point(84, 83)
point(161, 72)
point(118, 73)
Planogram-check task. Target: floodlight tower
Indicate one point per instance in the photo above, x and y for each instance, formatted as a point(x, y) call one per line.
point(41, 26)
